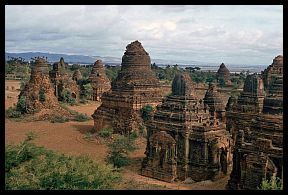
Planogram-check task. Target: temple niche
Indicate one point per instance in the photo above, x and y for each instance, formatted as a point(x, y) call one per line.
point(258, 133)
point(223, 73)
point(214, 100)
point(135, 86)
point(99, 81)
point(39, 91)
point(184, 140)
point(61, 80)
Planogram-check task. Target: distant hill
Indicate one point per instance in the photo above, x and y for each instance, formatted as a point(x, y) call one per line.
point(73, 59)
point(82, 59)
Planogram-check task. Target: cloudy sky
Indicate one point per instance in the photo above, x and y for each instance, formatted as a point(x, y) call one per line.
point(220, 33)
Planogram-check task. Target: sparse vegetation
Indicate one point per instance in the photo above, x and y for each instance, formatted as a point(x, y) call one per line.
point(106, 132)
point(275, 183)
point(42, 96)
point(21, 105)
point(146, 112)
point(12, 113)
point(59, 119)
point(88, 136)
point(67, 97)
point(112, 72)
point(28, 167)
point(119, 149)
point(80, 117)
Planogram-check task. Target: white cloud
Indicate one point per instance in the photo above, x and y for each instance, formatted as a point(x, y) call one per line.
point(240, 34)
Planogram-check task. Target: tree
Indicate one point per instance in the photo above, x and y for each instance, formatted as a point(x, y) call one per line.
point(21, 105)
point(74, 67)
point(119, 150)
point(221, 82)
point(67, 97)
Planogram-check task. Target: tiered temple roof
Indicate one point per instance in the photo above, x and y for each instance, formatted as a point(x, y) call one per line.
point(40, 85)
point(195, 138)
point(135, 86)
point(258, 132)
point(223, 73)
point(99, 81)
point(61, 80)
point(215, 102)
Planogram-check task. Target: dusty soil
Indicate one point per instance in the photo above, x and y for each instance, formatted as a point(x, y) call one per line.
point(11, 95)
point(71, 138)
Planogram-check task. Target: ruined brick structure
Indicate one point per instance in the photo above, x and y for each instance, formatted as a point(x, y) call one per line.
point(215, 102)
point(275, 69)
point(61, 80)
point(223, 73)
point(184, 140)
point(256, 123)
point(76, 75)
point(40, 83)
point(99, 81)
point(135, 86)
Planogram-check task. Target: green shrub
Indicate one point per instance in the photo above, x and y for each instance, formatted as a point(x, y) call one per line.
point(12, 113)
point(59, 119)
point(133, 135)
point(81, 117)
point(146, 112)
point(66, 96)
point(21, 105)
point(107, 132)
point(119, 149)
point(30, 167)
point(42, 96)
point(275, 183)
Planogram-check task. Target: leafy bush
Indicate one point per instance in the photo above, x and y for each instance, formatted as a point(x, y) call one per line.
point(133, 135)
point(59, 119)
point(67, 97)
point(42, 96)
point(146, 112)
point(13, 113)
point(221, 82)
point(106, 132)
point(81, 117)
point(119, 149)
point(21, 105)
point(275, 183)
point(30, 167)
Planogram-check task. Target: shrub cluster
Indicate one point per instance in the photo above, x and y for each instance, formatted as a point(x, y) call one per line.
point(28, 167)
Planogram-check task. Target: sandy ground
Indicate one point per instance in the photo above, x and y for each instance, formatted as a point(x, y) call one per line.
point(70, 138)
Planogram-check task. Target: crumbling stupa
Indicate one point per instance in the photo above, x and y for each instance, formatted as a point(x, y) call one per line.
point(135, 86)
point(76, 75)
point(223, 73)
point(61, 80)
point(39, 91)
point(257, 124)
point(99, 81)
point(273, 70)
point(184, 140)
point(215, 102)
